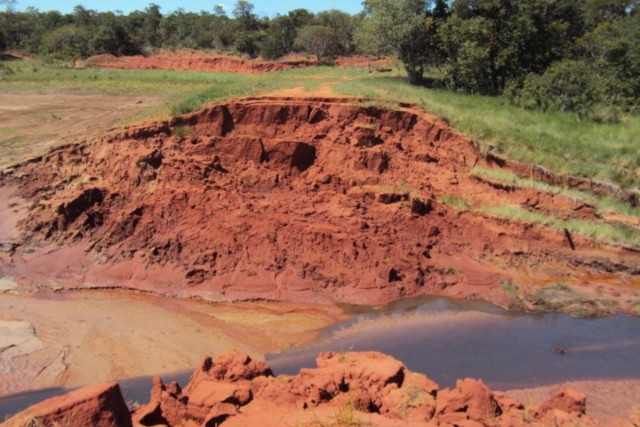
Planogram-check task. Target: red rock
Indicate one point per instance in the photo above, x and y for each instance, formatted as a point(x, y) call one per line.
point(98, 405)
point(566, 408)
point(567, 400)
point(469, 396)
point(167, 406)
point(229, 367)
point(353, 388)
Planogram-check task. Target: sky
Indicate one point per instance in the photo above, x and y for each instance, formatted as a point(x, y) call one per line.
point(262, 7)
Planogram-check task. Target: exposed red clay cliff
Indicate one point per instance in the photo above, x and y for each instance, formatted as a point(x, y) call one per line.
point(347, 389)
point(189, 60)
point(194, 61)
point(289, 199)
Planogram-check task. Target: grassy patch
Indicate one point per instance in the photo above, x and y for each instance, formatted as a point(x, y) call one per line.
point(559, 141)
point(346, 416)
point(601, 232)
point(602, 204)
point(515, 300)
point(455, 202)
point(184, 91)
point(449, 270)
point(557, 297)
point(561, 297)
point(183, 131)
point(413, 397)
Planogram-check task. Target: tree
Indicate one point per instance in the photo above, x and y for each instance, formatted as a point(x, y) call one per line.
point(613, 53)
point(488, 43)
point(600, 11)
point(66, 43)
point(219, 11)
point(320, 41)
point(243, 12)
point(10, 5)
point(109, 35)
point(398, 27)
point(343, 29)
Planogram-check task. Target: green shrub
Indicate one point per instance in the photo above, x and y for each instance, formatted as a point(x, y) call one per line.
point(66, 43)
point(566, 85)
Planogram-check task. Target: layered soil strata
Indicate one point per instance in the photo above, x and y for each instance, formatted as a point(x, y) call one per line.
point(194, 61)
point(289, 199)
point(189, 60)
point(348, 389)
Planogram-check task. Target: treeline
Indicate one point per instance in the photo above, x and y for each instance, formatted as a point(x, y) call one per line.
point(553, 55)
point(86, 32)
point(568, 55)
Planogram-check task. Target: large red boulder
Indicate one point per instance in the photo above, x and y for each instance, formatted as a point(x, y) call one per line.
point(470, 397)
point(98, 405)
point(567, 400)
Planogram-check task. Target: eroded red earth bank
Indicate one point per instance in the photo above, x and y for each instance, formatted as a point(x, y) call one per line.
point(290, 199)
point(201, 61)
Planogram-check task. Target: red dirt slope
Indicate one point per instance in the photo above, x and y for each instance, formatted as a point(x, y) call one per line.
point(283, 199)
point(189, 60)
point(194, 61)
point(348, 389)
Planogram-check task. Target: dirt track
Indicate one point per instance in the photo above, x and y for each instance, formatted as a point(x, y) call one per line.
point(288, 199)
point(31, 123)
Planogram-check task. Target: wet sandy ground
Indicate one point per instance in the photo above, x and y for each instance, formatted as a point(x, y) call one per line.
point(78, 338)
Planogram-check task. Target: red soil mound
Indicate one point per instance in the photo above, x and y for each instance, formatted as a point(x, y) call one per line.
point(194, 61)
point(322, 199)
point(344, 390)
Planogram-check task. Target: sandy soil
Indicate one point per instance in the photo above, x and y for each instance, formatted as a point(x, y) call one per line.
point(31, 123)
point(84, 337)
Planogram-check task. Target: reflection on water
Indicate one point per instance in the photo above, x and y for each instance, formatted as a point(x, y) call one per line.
point(450, 339)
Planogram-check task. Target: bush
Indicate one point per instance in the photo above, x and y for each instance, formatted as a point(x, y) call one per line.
point(66, 43)
point(566, 85)
point(248, 42)
point(271, 48)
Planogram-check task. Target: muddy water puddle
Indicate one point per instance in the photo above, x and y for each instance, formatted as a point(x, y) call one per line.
point(449, 339)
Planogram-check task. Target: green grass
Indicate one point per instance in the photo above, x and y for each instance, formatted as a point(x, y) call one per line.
point(557, 297)
point(558, 141)
point(183, 91)
point(601, 232)
point(456, 203)
point(562, 297)
point(602, 204)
